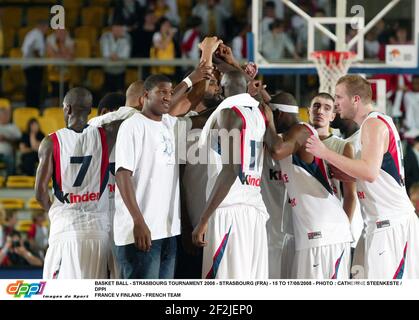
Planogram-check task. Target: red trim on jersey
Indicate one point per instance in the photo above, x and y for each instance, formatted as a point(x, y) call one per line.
point(104, 166)
point(57, 159)
point(318, 161)
point(392, 146)
point(242, 135)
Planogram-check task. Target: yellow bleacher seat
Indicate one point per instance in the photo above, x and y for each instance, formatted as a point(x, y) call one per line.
point(49, 125)
point(93, 113)
point(15, 53)
point(1, 181)
point(12, 203)
point(9, 35)
point(71, 17)
point(34, 14)
point(102, 3)
point(33, 204)
point(86, 32)
point(12, 17)
point(303, 115)
point(24, 225)
point(131, 75)
point(71, 4)
point(95, 79)
point(55, 113)
point(21, 116)
point(4, 103)
point(82, 48)
point(93, 16)
point(20, 182)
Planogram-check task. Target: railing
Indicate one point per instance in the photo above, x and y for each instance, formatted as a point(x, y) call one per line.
point(90, 62)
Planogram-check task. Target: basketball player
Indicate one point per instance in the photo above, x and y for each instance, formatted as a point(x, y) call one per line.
point(146, 225)
point(281, 244)
point(76, 158)
point(321, 114)
point(321, 227)
point(234, 219)
point(350, 132)
point(392, 238)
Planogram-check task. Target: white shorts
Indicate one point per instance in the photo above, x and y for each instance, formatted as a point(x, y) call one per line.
point(76, 255)
point(393, 252)
point(325, 262)
point(287, 258)
point(358, 260)
point(237, 244)
point(275, 247)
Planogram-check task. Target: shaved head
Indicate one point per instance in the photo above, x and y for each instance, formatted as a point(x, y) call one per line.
point(80, 99)
point(233, 82)
point(134, 92)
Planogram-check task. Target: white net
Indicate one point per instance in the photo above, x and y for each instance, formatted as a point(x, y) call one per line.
point(331, 65)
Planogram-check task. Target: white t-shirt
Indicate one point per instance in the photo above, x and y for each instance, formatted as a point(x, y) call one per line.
point(147, 148)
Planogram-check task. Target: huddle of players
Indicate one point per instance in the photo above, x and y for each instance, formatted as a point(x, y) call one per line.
point(280, 213)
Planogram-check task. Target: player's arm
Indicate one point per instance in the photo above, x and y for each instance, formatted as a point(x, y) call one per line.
point(230, 121)
point(288, 143)
point(374, 141)
point(203, 71)
point(349, 187)
point(44, 173)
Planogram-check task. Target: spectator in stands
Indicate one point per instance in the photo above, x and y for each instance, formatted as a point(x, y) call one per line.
point(411, 163)
point(115, 45)
point(166, 8)
point(414, 197)
point(371, 45)
point(9, 133)
point(8, 224)
point(143, 41)
point(411, 104)
point(239, 44)
point(38, 234)
point(34, 47)
point(28, 147)
point(16, 253)
point(213, 16)
point(269, 16)
point(60, 46)
point(276, 43)
point(2, 222)
point(164, 47)
point(191, 39)
point(131, 14)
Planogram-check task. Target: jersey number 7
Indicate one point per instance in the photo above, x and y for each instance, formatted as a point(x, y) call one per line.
point(85, 163)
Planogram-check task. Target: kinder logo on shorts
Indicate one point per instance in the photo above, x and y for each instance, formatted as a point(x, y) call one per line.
point(250, 181)
point(78, 198)
point(27, 290)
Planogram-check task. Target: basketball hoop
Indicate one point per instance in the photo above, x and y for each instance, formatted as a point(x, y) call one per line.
point(331, 65)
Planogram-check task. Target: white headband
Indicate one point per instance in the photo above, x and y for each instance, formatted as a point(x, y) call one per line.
point(284, 108)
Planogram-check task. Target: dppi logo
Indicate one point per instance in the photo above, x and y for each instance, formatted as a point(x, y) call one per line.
point(27, 290)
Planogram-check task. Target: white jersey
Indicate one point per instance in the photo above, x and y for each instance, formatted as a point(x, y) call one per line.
point(275, 197)
point(338, 145)
point(80, 178)
point(386, 198)
point(357, 223)
point(246, 188)
point(318, 216)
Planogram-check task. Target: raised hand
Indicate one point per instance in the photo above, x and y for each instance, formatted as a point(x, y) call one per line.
point(203, 71)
